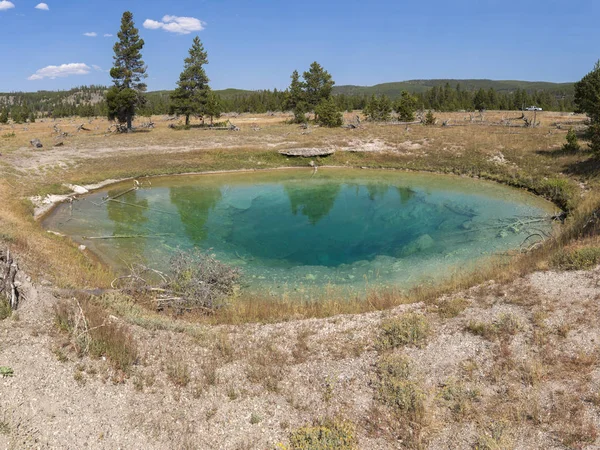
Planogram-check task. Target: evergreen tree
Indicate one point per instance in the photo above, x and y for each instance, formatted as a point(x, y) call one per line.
point(587, 99)
point(213, 107)
point(328, 114)
point(295, 98)
point(318, 85)
point(128, 72)
point(430, 119)
point(406, 107)
point(4, 116)
point(378, 108)
point(192, 93)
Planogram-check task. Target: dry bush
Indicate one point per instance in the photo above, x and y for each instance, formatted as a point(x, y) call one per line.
point(577, 259)
point(408, 329)
point(451, 308)
point(178, 372)
point(93, 332)
point(458, 398)
point(328, 434)
point(404, 398)
point(200, 280)
point(267, 367)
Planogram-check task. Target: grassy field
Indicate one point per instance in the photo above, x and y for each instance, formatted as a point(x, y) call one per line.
point(503, 357)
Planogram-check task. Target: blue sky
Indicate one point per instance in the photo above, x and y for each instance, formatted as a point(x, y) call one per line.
point(255, 45)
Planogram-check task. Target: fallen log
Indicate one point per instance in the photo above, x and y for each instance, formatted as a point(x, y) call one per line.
point(307, 152)
point(9, 287)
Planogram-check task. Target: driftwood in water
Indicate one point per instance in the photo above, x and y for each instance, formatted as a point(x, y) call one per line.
point(9, 288)
point(307, 152)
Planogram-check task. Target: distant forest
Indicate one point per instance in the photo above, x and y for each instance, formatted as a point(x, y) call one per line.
point(438, 95)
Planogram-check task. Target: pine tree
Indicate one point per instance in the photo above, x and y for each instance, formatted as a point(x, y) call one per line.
point(128, 72)
point(587, 100)
point(430, 119)
point(192, 93)
point(328, 114)
point(4, 116)
point(318, 85)
point(295, 98)
point(406, 107)
point(213, 108)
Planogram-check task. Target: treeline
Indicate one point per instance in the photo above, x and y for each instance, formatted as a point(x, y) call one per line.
point(89, 101)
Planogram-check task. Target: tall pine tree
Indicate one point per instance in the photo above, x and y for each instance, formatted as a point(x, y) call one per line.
point(318, 85)
point(192, 93)
point(128, 74)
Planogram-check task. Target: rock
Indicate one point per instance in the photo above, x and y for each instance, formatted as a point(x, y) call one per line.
point(77, 189)
point(311, 276)
point(307, 152)
point(36, 143)
point(82, 248)
point(467, 225)
point(422, 243)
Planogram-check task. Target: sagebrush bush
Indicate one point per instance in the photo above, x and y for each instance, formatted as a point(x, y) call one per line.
point(397, 390)
point(408, 329)
point(577, 259)
point(325, 435)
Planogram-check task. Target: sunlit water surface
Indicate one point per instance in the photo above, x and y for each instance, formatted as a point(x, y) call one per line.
point(293, 230)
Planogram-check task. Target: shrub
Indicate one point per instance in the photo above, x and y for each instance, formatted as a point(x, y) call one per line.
point(577, 259)
point(452, 308)
point(201, 280)
point(328, 114)
point(94, 333)
point(408, 329)
point(430, 119)
point(572, 144)
point(325, 435)
point(396, 390)
point(558, 190)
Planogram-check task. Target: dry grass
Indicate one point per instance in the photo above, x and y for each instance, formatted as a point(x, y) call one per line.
point(95, 333)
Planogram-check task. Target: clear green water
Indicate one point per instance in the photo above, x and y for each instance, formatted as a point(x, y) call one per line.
point(292, 229)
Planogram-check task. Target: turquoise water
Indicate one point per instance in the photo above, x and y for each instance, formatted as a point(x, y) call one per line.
point(292, 229)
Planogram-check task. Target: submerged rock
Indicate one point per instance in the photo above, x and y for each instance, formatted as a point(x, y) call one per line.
point(423, 242)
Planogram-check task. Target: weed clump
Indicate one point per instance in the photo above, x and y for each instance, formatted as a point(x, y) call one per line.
point(396, 390)
point(5, 310)
point(325, 435)
point(577, 259)
point(408, 329)
point(96, 334)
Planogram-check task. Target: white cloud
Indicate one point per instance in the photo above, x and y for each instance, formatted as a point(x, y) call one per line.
point(5, 4)
point(174, 24)
point(107, 35)
point(91, 34)
point(43, 7)
point(64, 70)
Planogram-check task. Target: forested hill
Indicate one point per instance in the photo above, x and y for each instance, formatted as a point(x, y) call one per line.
point(441, 95)
point(392, 90)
